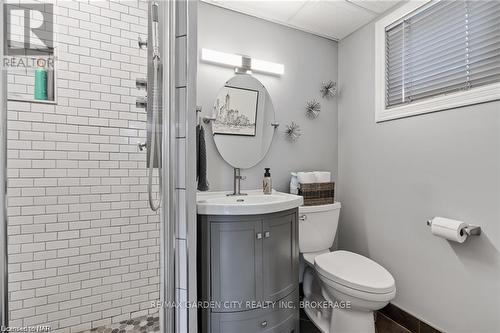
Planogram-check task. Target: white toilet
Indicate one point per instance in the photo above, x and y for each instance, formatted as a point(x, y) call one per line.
point(352, 285)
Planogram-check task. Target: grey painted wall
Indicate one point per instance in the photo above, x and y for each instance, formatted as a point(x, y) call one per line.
point(308, 60)
point(396, 175)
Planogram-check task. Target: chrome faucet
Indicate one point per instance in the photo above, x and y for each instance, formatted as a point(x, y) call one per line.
point(236, 182)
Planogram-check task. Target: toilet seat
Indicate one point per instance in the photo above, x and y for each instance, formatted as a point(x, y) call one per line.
point(309, 257)
point(359, 294)
point(349, 270)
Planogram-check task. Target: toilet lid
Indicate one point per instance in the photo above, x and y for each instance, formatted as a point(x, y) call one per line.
point(354, 271)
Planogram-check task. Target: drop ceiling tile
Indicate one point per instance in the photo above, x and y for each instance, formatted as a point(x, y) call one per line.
point(375, 5)
point(274, 10)
point(335, 19)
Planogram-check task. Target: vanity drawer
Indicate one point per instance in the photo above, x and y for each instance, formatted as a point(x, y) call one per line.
point(284, 319)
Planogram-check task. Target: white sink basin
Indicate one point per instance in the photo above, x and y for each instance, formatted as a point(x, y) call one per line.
point(255, 202)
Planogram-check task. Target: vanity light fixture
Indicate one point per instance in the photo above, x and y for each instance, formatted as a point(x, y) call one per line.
point(221, 58)
point(242, 63)
point(267, 67)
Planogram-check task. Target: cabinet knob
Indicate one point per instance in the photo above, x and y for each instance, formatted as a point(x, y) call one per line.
point(267, 234)
point(259, 235)
point(263, 324)
point(303, 217)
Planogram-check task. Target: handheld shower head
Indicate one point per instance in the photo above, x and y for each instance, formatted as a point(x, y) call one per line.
point(154, 12)
point(155, 29)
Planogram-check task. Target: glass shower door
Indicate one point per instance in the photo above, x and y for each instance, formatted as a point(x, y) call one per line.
point(85, 250)
point(3, 181)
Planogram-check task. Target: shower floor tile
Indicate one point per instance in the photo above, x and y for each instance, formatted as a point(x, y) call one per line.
point(145, 324)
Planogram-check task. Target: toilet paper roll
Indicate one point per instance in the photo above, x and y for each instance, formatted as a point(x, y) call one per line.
point(449, 229)
point(322, 176)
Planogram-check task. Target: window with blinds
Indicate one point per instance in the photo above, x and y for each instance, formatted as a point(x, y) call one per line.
point(444, 47)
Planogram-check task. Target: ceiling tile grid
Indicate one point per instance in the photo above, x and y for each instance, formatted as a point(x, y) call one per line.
point(334, 19)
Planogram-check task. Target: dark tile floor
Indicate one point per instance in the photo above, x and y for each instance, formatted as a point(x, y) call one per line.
point(145, 324)
point(306, 326)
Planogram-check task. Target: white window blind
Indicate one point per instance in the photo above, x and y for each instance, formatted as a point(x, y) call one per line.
point(445, 47)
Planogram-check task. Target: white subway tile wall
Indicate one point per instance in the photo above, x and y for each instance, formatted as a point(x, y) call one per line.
point(83, 244)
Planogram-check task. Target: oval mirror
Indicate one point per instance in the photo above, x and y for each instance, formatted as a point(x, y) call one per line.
point(244, 117)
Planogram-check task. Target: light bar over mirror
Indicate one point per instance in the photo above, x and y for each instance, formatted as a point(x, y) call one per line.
point(242, 62)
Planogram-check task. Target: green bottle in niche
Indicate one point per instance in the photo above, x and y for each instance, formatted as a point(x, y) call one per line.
point(41, 84)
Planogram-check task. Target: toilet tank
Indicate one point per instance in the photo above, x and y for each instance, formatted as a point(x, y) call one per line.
point(317, 227)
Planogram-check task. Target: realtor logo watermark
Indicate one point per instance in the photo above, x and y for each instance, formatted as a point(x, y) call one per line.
point(29, 28)
point(29, 35)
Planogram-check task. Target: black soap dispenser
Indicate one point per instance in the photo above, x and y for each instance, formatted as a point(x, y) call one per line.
point(267, 184)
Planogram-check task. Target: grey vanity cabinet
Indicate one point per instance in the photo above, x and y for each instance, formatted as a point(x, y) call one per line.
point(235, 256)
point(280, 262)
point(244, 262)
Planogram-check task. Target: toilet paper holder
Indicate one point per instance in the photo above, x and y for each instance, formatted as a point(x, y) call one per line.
point(470, 230)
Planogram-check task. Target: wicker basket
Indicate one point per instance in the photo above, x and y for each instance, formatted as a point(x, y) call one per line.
point(317, 193)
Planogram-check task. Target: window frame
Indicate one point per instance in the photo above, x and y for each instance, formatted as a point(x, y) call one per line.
point(482, 94)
